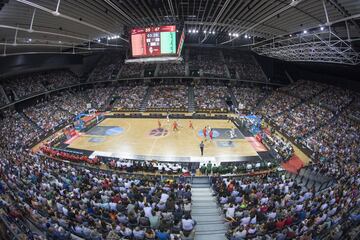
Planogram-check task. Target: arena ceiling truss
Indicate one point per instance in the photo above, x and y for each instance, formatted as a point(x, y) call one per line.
point(70, 26)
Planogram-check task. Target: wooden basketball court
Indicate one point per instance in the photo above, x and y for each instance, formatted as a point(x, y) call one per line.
point(131, 137)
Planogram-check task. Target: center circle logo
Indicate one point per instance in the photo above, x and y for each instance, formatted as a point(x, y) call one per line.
point(158, 132)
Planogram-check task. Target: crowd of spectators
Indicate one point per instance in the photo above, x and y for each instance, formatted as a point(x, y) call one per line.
point(66, 201)
point(334, 98)
point(2, 98)
point(210, 97)
point(99, 96)
point(305, 89)
point(38, 82)
point(16, 131)
point(132, 70)
point(57, 79)
point(249, 97)
point(16, 89)
point(129, 97)
point(63, 200)
point(169, 97)
point(172, 69)
point(211, 68)
point(109, 65)
point(274, 207)
point(277, 103)
point(250, 71)
point(282, 147)
point(47, 115)
point(339, 139)
point(208, 62)
point(354, 109)
point(244, 65)
point(302, 120)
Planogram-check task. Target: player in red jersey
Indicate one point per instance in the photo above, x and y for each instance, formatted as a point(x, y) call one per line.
point(175, 126)
point(191, 125)
point(159, 123)
point(211, 135)
point(204, 133)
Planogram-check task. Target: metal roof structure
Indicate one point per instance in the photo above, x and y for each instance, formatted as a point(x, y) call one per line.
point(91, 25)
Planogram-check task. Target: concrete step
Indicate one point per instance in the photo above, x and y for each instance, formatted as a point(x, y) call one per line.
point(206, 204)
point(211, 227)
point(213, 236)
point(201, 190)
point(205, 212)
point(200, 185)
point(205, 219)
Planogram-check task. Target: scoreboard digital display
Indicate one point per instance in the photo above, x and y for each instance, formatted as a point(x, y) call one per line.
point(153, 41)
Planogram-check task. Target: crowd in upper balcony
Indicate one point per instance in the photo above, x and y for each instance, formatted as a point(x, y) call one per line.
point(129, 97)
point(37, 82)
point(131, 70)
point(334, 98)
point(172, 69)
point(108, 66)
point(277, 103)
point(169, 97)
point(340, 139)
point(305, 89)
point(47, 115)
point(302, 120)
point(210, 97)
point(249, 97)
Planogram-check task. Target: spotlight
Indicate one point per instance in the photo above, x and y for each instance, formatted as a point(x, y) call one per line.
point(305, 31)
point(193, 30)
point(246, 36)
point(230, 34)
point(290, 35)
point(322, 28)
point(189, 31)
point(30, 39)
point(59, 41)
point(204, 31)
point(197, 31)
point(98, 40)
point(213, 32)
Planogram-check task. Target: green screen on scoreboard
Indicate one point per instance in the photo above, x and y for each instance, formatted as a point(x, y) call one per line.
point(168, 42)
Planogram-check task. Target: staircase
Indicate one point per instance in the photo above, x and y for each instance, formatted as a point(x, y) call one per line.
point(191, 98)
point(144, 102)
point(4, 96)
point(233, 98)
point(210, 223)
point(22, 114)
point(110, 97)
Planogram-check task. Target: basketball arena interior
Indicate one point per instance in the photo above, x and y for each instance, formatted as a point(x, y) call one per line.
point(179, 119)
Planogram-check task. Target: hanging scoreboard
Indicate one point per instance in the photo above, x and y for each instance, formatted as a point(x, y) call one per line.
point(153, 41)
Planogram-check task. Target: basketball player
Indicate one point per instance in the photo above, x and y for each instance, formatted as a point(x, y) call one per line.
point(175, 126)
point(159, 123)
point(204, 133)
point(211, 135)
point(191, 125)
